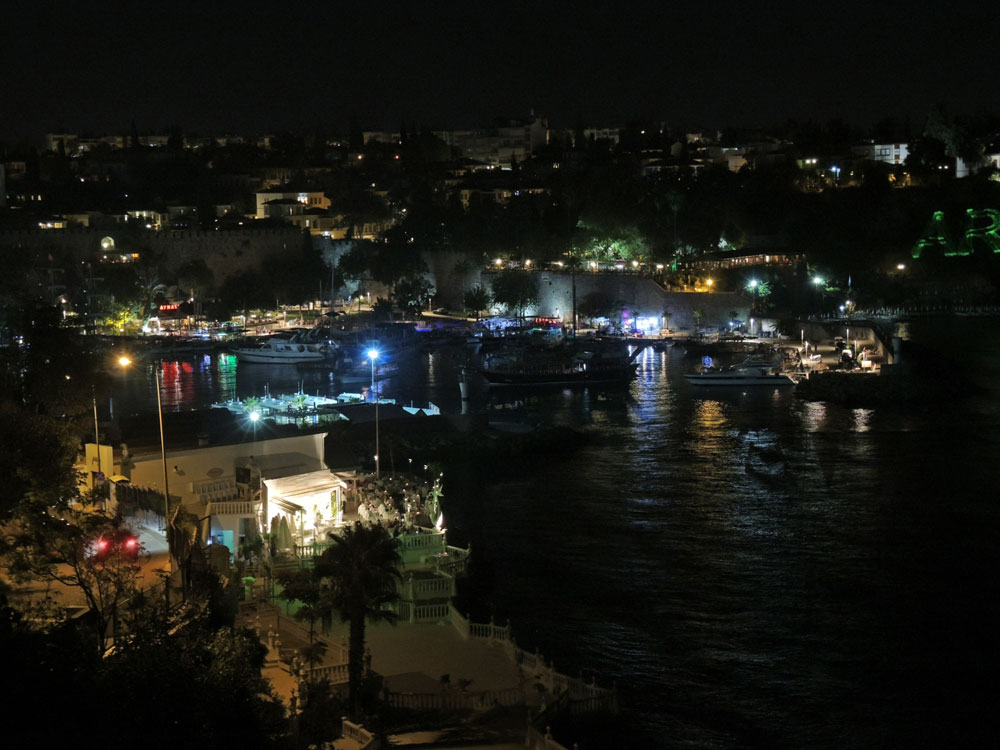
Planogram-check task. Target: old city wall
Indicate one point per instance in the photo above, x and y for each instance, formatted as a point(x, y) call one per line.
point(224, 252)
point(639, 296)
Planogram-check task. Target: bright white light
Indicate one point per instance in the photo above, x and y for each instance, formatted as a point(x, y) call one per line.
point(254, 416)
point(373, 354)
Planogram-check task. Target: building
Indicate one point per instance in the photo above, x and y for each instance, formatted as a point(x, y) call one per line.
point(239, 490)
point(306, 197)
point(887, 153)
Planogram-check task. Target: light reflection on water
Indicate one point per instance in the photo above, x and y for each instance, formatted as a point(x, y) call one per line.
point(754, 570)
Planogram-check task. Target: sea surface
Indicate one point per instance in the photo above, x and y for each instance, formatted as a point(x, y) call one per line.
point(750, 570)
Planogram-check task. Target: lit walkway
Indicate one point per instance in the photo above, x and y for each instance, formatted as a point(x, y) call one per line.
point(412, 657)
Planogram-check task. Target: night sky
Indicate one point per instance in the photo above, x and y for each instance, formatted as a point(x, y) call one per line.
point(212, 66)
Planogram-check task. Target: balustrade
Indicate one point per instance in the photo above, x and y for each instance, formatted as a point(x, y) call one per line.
point(440, 586)
point(355, 732)
point(231, 507)
point(337, 674)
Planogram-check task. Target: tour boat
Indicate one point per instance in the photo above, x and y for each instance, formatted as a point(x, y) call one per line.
point(299, 349)
point(580, 362)
point(752, 371)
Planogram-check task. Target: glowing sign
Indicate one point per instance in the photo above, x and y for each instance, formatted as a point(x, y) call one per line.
point(983, 229)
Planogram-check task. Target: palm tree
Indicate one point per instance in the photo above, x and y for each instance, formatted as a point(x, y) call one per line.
point(476, 300)
point(362, 571)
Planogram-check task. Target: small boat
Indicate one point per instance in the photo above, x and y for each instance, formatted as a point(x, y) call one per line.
point(394, 344)
point(590, 362)
point(752, 371)
point(298, 349)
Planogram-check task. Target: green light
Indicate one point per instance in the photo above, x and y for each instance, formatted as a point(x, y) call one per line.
point(983, 228)
point(988, 234)
point(935, 236)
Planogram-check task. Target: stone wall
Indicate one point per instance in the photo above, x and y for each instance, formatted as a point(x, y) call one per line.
point(633, 294)
point(225, 252)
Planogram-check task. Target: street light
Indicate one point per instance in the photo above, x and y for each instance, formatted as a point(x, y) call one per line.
point(372, 356)
point(125, 362)
point(97, 436)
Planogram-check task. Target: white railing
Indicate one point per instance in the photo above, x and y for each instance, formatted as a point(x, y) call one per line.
point(430, 586)
point(582, 696)
point(422, 541)
point(335, 652)
point(356, 732)
point(337, 674)
point(459, 622)
point(213, 490)
point(430, 612)
point(490, 631)
point(535, 740)
point(231, 507)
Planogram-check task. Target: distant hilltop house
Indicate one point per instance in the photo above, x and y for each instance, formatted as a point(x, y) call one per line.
point(887, 153)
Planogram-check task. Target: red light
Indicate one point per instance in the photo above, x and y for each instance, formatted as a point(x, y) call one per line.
point(102, 544)
point(131, 543)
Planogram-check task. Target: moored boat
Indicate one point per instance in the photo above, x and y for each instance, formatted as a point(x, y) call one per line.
point(580, 362)
point(751, 372)
point(295, 350)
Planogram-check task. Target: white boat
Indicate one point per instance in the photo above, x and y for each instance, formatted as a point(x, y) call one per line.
point(299, 349)
point(751, 371)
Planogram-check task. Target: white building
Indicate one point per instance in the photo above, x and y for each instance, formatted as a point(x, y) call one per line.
point(280, 485)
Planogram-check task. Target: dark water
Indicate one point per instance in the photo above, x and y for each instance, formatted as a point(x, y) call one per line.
point(752, 570)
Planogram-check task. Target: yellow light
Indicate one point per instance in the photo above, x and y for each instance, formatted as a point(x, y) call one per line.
point(709, 282)
point(124, 361)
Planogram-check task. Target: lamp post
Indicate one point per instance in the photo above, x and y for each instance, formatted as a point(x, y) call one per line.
point(97, 435)
point(254, 416)
point(125, 362)
point(372, 356)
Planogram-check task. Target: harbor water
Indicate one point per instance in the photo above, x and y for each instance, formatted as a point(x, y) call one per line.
point(751, 570)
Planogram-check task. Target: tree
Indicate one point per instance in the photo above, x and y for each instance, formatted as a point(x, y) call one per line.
point(195, 278)
point(411, 294)
point(595, 304)
point(63, 549)
point(515, 289)
point(306, 588)
point(362, 573)
point(476, 300)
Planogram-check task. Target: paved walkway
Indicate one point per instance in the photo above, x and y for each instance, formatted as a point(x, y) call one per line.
point(412, 657)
